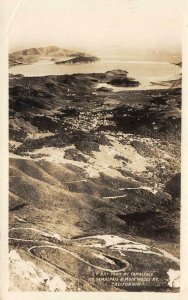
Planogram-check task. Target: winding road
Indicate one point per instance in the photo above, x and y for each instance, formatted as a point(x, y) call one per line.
point(83, 260)
point(126, 264)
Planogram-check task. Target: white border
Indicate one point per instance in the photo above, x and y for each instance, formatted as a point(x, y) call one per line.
point(3, 149)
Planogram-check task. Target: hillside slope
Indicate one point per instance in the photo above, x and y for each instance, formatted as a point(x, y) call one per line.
point(91, 185)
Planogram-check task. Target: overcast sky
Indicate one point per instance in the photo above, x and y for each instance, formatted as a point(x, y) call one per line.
point(96, 24)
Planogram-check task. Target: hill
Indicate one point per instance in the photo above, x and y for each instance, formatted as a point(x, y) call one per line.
point(32, 55)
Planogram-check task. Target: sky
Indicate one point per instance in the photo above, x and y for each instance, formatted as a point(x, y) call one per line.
point(96, 25)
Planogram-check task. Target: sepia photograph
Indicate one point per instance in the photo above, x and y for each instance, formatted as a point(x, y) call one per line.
point(95, 98)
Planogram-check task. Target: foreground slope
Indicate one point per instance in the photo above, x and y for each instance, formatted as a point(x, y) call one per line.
point(92, 177)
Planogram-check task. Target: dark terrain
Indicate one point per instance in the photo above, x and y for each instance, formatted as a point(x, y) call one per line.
point(94, 184)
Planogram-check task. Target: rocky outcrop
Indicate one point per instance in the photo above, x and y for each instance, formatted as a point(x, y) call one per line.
point(120, 78)
point(173, 186)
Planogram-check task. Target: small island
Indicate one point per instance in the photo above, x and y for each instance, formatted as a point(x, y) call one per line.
point(79, 60)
